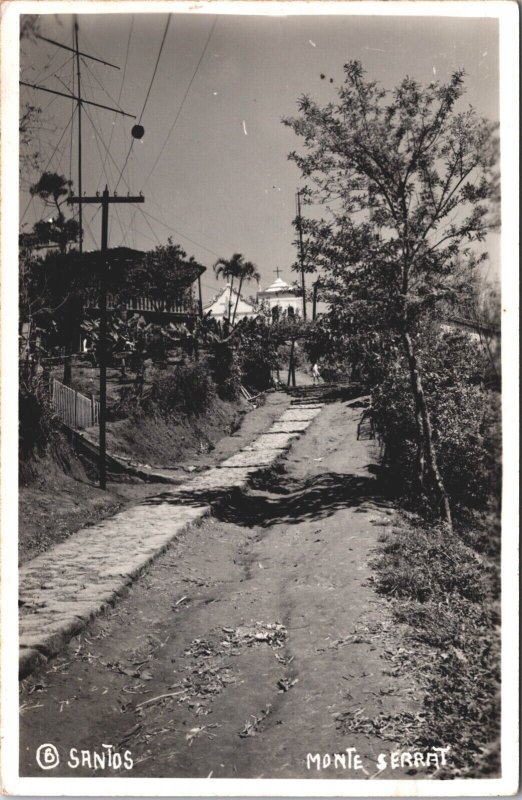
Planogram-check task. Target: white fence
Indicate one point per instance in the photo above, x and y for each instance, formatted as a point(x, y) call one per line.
point(74, 408)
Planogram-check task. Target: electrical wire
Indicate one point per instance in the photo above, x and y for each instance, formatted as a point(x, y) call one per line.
point(148, 93)
point(121, 90)
point(108, 177)
point(156, 67)
point(174, 230)
point(182, 102)
point(225, 245)
point(150, 226)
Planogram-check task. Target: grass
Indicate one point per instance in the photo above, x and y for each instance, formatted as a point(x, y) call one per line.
point(447, 592)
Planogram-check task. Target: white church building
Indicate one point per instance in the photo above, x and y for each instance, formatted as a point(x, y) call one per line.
point(281, 295)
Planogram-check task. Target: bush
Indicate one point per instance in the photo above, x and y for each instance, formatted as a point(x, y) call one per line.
point(257, 353)
point(463, 418)
point(188, 389)
point(224, 368)
point(36, 420)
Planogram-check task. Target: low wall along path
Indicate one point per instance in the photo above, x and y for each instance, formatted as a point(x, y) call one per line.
point(64, 588)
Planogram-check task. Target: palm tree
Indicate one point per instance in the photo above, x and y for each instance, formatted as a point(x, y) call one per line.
point(235, 267)
point(248, 272)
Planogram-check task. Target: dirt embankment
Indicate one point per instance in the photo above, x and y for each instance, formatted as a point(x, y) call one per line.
point(158, 440)
point(58, 496)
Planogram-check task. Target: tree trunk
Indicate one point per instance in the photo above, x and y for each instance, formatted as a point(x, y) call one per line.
point(237, 300)
point(429, 449)
point(421, 459)
point(230, 301)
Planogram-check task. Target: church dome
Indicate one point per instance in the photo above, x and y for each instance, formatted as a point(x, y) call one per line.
point(279, 285)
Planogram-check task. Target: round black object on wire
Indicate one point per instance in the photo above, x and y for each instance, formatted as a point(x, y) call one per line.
point(138, 131)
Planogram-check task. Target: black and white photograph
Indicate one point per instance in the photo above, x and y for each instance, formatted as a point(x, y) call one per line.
point(259, 430)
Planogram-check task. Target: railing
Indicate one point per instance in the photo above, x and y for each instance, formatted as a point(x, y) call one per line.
point(176, 305)
point(75, 409)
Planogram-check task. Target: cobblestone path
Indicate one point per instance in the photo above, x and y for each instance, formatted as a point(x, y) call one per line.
point(65, 587)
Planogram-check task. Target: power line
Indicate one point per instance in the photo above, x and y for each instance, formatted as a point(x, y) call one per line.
point(182, 102)
point(121, 88)
point(108, 177)
point(150, 226)
point(174, 230)
point(154, 203)
point(156, 66)
point(148, 93)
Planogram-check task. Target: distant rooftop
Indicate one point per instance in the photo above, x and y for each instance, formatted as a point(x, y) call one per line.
point(279, 285)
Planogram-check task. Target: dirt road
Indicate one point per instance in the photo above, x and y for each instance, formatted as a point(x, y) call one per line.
point(260, 629)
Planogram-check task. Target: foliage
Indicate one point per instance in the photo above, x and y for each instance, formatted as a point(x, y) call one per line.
point(257, 351)
point(447, 596)
point(453, 368)
point(36, 420)
point(424, 567)
point(326, 341)
point(224, 367)
point(189, 390)
point(165, 273)
point(412, 178)
point(58, 230)
point(50, 297)
point(235, 268)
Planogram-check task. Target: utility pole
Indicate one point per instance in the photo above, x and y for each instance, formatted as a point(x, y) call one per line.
point(105, 200)
point(200, 299)
point(301, 252)
point(314, 301)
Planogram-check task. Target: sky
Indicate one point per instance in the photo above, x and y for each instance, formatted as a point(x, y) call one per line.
point(213, 163)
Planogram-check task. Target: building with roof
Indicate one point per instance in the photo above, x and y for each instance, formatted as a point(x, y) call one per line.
point(224, 304)
point(179, 306)
point(281, 295)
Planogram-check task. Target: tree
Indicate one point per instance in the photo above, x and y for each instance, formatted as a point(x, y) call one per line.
point(247, 272)
point(235, 267)
point(45, 284)
point(406, 179)
point(164, 274)
point(57, 230)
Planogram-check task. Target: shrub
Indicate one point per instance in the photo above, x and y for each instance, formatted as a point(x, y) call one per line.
point(188, 389)
point(224, 367)
point(464, 421)
point(36, 419)
point(257, 352)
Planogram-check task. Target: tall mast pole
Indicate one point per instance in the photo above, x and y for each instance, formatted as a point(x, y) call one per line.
point(301, 252)
point(102, 358)
point(78, 78)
